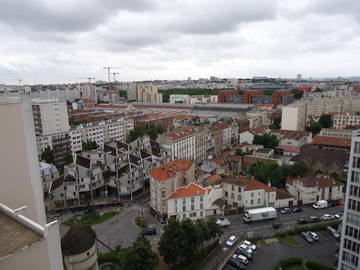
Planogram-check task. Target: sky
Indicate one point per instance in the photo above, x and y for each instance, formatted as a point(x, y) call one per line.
point(59, 41)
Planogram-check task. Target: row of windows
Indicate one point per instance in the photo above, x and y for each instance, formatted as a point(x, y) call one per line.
point(353, 219)
point(350, 258)
point(351, 245)
point(193, 214)
point(355, 177)
point(350, 231)
point(354, 205)
point(354, 191)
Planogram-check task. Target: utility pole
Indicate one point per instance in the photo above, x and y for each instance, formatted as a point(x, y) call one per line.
point(108, 72)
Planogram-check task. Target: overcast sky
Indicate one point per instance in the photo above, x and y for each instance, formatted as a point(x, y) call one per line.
point(54, 41)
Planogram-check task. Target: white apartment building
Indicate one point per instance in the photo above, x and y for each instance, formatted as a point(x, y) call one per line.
point(194, 202)
point(344, 120)
point(293, 116)
point(164, 181)
point(179, 99)
point(147, 92)
point(203, 99)
point(338, 133)
point(349, 254)
point(64, 93)
point(88, 91)
point(50, 116)
point(247, 193)
point(186, 143)
point(26, 244)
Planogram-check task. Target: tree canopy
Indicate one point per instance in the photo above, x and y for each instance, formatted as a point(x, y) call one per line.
point(315, 128)
point(326, 121)
point(267, 140)
point(298, 94)
point(90, 145)
point(151, 131)
point(272, 172)
point(276, 123)
point(68, 158)
point(140, 257)
point(48, 155)
point(181, 239)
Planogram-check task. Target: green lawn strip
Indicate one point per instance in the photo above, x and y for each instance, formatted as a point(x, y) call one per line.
point(108, 267)
point(90, 219)
point(295, 267)
point(140, 222)
point(290, 240)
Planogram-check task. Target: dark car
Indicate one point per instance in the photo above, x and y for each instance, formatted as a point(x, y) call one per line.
point(276, 225)
point(240, 251)
point(302, 221)
point(313, 219)
point(149, 231)
point(236, 263)
point(297, 209)
point(307, 237)
point(333, 232)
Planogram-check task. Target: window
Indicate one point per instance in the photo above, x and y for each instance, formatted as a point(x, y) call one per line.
point(184, 216)
point(232, 187)
point(163, 194)
point(192, 207)
point(201, 213)
point(201, 206)
point(201, 198)
point(232, 195)
point(239, 197)
point(184, 208)
point(252, 194)
point(258, 201)
point(239, 189)
point(251, 202)
point(192, 199)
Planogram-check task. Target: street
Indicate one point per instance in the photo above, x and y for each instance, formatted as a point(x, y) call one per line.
point(243, 231)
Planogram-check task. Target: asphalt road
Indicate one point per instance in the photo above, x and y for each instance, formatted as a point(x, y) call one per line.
point(243, 231)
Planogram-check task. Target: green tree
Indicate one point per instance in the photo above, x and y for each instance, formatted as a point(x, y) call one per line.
point(317, 89)
point(228, 120)
point(300, 168)
point(68, 158)
point(298, 94)
point(203, 230)
point(267, 140)
point(170, 242)
point(276, 123)
point(89, 145)
point(315, 128)
point(190, 239)
point(214, 229)
point(48, 155)
point(238, 152)
point(326, 121)
point(140, 257)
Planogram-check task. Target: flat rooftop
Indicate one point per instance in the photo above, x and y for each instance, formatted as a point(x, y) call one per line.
point(14, 236)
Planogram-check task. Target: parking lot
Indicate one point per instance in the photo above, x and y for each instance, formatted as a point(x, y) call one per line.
point(268, 254)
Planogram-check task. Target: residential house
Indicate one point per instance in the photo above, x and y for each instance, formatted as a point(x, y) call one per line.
point(332, 143)
point(164, 181)
point(240, 192)
point(194, 202)
point(290, 141)
point(311, 189)
point(221, 134)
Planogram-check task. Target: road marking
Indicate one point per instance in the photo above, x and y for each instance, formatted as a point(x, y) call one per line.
point(269, 241)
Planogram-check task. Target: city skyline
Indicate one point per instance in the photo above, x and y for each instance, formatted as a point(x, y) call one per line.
point(57, 42)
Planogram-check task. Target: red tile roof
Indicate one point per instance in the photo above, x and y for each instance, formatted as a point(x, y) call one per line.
point(189, 191)
point(170, 169)
point(183, 132)
point(328, 182)
point(291, 134)
point(310, 181)
point(219, 126)
point(282, 194)
point(332, 141)
point(248, 183)
point(213, 179)
point(289, 148)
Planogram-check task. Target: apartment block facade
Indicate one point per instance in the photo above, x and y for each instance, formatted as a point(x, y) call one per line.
point(349, 254)
point(293, 116)
point(344, 120)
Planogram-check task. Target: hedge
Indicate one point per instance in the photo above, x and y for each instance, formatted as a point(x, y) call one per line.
point(315, 227)
point(289, 261)
point(313, 265)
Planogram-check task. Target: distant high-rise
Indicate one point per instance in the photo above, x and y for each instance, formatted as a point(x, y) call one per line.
point(298, 77)
point(147, 92)
point(349, 254)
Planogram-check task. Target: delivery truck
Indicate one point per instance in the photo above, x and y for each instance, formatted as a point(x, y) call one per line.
point(259, 214)
point(321, 204)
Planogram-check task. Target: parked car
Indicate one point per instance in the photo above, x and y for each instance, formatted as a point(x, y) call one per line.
point(231, 241)
point(250, 245)
point(312, 219)
point(236, 263)
point(333, 232)
point(327, 217)
point(306, 237)
point(241, 258)
point(330, 204)
point(302, 221)
point(285, 211)
point(223, 222)
point(297, 209)
point(276, 225)
point(313, 235)
point(148, 231)
point(246, 248)
point(338, 215)
point(244, 252)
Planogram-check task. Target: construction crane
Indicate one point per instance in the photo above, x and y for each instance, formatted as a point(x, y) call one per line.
point(108, 72)
point(115, 73)
point(88, 78)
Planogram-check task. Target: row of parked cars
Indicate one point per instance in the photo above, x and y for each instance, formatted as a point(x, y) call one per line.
point(311, 237)
point(243, 254)
point(325, 217)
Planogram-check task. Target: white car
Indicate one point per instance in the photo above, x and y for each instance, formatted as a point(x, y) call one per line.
point(338, 216)
point(313, 236)
point(327, 217)
point(246, 248)
point(231, 241)
point(223, 222)
point(250, 245)
point(241, 258)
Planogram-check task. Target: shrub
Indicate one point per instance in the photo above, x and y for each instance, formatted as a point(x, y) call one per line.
point(315, 228)
point(289, 261)
point(139, 221)
point(314, 265)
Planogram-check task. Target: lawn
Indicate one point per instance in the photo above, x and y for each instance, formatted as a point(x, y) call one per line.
point(90, 219)
point(290, 240)
point(295, 267)
point(108, 267)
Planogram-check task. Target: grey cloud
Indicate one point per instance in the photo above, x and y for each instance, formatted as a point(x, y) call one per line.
point(65, 16)
point(337, 7)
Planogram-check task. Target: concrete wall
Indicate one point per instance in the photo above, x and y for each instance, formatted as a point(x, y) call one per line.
point(83, 261)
